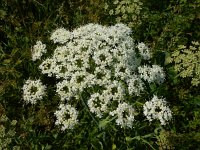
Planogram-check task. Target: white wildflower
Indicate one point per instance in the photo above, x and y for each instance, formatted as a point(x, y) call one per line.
point(135, 85)
point(157, 109)
point(98, 104)
point(103, 62)
point(93, 54)
point(152, 74)
point(60, 35)
point(116, 90)
point(33, 91)
point(66, 117)
point(65, 90)
point(38, 50)
point(47, 66)
point(144, 51)
point(125, 115)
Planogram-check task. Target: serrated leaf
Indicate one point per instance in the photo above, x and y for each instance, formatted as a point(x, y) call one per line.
point(176, 53)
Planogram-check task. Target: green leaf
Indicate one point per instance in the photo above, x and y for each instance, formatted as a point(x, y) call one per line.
point(104, 122)
point(7, 61)
point(114, 146)
point(2, 14)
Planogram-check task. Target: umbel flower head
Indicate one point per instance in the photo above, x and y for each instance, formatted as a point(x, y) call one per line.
point(157, 109)
point(144, 51)
point(66, 117)
point(103, 62)
point(33, 90)
point(38, 50)
point(125, 115)
point(60, 35)
point(152, 74)
point(90, 55)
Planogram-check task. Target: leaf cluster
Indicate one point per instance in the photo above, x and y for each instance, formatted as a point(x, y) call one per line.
point(187, 62)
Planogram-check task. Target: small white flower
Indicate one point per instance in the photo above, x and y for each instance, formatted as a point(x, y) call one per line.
point(157, 109)
point(158, 74)
point(65, 90)
point(98, 104)
point(144, 51)
point(38, 50)
point(135, 85)
point(47, 66)
point(152, 74)
point(33, 91)
point(111, 12)
point(116, 90)
point(125, 115)
point(66, 117)
point(60, 35)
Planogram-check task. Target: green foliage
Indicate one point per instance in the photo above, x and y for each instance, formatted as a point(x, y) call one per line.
point(169, 23)
point(187, 62)
point(7, 131)
point(170, 140)
point(125, 11)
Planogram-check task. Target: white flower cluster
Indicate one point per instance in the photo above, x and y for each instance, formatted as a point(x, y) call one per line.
point(38, 50)
point(152, 74)
point(101, 60)
point(99, 103)
point(144, 51)
point(61, 35)
point(66, 117)
point(125, 115)
point(94, 56)
point(33, 91)
point(157, 109)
